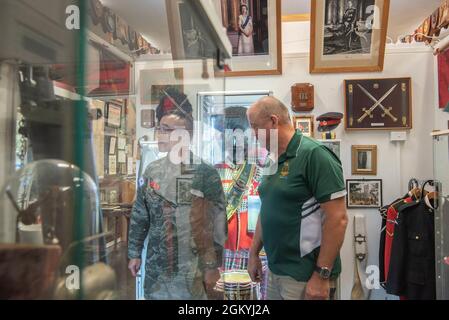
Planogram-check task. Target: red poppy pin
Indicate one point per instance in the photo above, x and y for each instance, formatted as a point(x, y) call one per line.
point(154, 185)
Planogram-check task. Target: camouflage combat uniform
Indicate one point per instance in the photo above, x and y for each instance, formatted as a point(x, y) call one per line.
point(183, 239)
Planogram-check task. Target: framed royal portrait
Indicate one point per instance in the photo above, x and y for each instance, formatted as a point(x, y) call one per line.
point(364, 194)
point(195, 30)
point(364, 160)
point(305, 124)
point(154, 82)
point(378, 104)
point(348, 35)
point(254, 30)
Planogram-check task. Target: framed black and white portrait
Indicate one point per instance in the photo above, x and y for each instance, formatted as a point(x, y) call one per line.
point(348, 35)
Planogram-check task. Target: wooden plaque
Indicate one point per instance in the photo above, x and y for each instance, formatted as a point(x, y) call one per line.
point(303, 97)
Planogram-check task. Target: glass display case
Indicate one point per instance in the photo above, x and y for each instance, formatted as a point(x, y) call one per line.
point(224, 140)
point(441, 165)
point(80, 83)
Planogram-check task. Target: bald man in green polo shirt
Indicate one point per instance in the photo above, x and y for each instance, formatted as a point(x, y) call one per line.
point(303, 217)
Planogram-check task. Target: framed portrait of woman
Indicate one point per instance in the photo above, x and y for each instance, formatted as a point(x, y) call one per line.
point(254, 30)
point(348, 35)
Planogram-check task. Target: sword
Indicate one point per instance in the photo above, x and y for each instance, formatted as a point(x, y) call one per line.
point(370, 111)
point(386, 110)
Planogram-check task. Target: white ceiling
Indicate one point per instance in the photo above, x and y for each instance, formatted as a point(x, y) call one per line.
point(150, 17)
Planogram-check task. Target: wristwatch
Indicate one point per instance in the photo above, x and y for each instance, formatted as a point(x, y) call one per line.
point(323, 272)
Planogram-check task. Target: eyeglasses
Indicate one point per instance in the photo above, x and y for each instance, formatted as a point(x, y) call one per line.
point(160, 129)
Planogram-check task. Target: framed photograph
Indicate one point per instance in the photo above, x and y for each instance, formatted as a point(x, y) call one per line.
point(183, 191)
point(112, 165)
point(305, 124)
point(364, 160)
point(254, 30)
point(154, 82)
point(333, 145)
point(378, 104)
point(348, 35)
point(364, 194)
point(114, 114)
point(196, 31)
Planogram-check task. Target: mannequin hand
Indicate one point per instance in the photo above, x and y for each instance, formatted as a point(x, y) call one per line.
point(317, 288)
point(255, 268)
point(211, 277)
point(134, 266)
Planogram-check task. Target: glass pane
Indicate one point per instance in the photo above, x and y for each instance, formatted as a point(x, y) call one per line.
point(91, 91)
point(225, 142)
point(441, 163)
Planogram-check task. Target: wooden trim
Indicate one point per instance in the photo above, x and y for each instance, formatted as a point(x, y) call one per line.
point(440, 133)
point(383, 38)
point(296, 17)
point(312, 37)
point(278, 69)
point(355, 170)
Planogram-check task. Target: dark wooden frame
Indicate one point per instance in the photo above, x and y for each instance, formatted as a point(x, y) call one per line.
point(410, 109)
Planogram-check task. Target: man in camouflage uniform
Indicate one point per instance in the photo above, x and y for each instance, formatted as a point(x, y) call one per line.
point(181, 208)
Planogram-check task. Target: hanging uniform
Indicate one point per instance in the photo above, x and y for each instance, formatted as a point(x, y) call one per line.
point(412, 262)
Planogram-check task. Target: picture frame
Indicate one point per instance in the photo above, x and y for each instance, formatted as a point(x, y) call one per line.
point(260, 53)
point(196, 31)
point(364, 160)
point(306, 124)
point(183, 191)
point(114, 114)
point(378, 104)
point(348, 35)
point(333, 145)
point(364, 194)
point(153, 82)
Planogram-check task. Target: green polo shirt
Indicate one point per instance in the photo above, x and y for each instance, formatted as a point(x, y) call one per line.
point(308, 174)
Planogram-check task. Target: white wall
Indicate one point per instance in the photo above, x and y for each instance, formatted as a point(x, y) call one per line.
point(397, 163)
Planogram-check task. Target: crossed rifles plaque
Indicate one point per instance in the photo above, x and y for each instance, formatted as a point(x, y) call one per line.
point(378, 104)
